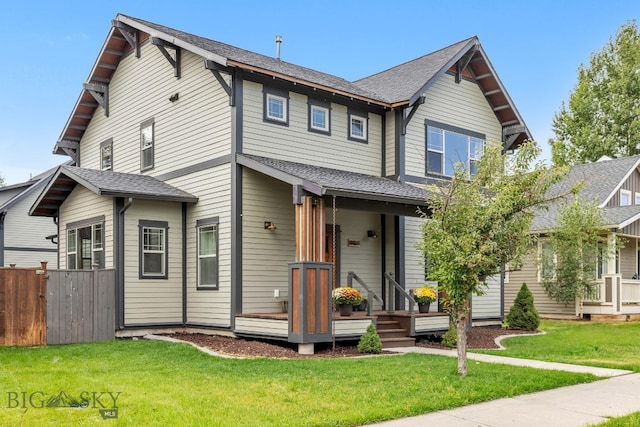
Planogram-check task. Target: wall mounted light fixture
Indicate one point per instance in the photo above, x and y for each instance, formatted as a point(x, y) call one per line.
point(372, 234)
point(174, 97)
point(268, 225)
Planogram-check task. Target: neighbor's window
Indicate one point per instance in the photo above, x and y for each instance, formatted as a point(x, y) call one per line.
point(85, 244)
point(276, 106)
point(153, 249)
point(319, 116)
point(625, 197)
point(147, 141)
point(207, 253)
point(547, 261)
point(106, 155)
point(637, 199)
point(448, 146)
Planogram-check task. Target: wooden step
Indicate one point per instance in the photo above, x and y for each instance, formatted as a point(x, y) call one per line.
point(392, 333)
point(398, 342)
point(387, 324)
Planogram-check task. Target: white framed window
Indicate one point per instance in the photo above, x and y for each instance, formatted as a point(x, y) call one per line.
point(449, 147)
point(625, 197)
point(637, 199)
point(276, 106)
point(358, 126)
point(106, 155)
point(85, 244)
point(207, 230)
point(147, 143)
point(153, 249)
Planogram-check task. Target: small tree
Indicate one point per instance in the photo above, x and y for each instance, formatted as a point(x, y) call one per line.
point(370, 341)
point(576, 244)
point(523, 313)
point(477, 224)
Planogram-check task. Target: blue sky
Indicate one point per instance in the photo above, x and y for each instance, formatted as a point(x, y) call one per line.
point(536, 47)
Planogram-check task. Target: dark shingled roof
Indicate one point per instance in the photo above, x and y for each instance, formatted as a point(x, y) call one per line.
point(325, 181)
point(105, 183)
point(262, 61)
point(403, 81)
point(600, 182)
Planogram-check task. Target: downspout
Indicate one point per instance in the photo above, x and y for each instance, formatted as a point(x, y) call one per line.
point(3, 214)
point(184, 263)
point(120, 263)
point(57, 223)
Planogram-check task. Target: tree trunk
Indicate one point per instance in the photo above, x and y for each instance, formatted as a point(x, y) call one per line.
point(461, 329)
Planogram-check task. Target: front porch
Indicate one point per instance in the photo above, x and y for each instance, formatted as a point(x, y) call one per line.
point(614, 296)
point(396, 328)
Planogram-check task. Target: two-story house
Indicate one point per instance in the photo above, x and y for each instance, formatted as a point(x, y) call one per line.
point(219, 182)
point(25, 241)
point(613, 185)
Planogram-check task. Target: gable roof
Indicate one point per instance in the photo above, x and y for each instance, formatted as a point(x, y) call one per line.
point(104, 183)
point(600, 182)
point(398, 86)
point(324, 181)
point(27, 187)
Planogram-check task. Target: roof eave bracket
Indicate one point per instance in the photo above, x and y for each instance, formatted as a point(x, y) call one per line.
point(100, 93)
point(130, 34)
point(216, 69)
point(407, 119)
point(464, 62)
point(510, 134)
point(174, 61)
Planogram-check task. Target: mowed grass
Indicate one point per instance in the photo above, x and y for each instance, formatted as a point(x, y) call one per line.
point(606, 344)
point(631, 420)
point(174, 384)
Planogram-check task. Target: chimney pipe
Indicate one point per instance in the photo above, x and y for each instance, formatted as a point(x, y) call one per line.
point(278, 43)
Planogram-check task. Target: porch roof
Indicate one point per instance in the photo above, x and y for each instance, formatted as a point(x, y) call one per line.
point(104, 183)
point(324, 181)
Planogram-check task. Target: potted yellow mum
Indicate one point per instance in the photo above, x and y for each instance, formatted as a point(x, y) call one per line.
point(424, 296)
point(345, 298)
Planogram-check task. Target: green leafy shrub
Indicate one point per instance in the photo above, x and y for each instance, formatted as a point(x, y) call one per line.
point(370, 341)
point(450, 338)
point(523, 314)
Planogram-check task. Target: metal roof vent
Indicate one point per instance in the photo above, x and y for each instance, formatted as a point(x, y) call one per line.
point(278, 43)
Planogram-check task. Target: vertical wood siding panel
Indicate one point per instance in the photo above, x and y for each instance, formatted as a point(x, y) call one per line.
point(414, 258)
point(390, 139)
point(632, 183)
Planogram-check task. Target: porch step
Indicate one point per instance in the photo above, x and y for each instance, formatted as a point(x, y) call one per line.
point(398, 342)
point(392, 334)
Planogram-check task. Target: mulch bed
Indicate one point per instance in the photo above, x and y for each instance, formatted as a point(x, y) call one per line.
point(479, 338)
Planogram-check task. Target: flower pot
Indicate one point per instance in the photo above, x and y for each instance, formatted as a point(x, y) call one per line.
point(345, 309)
point(424, 308)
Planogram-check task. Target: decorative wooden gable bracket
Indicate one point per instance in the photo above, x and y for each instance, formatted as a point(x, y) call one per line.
point(163, 45)
point(70, 148)
point(130, 34)
point(100, 93)
point(464, 61)
point(407, 119)
point(510, 134)
point(216, 69)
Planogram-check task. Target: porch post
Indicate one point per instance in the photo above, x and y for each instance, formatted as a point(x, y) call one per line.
point(310, 278)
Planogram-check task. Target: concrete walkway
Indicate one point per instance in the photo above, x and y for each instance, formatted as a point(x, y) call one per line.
point(578, 405)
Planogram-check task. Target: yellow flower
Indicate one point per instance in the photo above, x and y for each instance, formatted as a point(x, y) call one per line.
point(424, 295)
point(347, 295)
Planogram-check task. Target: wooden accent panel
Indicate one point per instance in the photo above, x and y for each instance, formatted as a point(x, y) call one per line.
point(294, 306)
point(325, 300)
point(310, 220)
point(312, 296)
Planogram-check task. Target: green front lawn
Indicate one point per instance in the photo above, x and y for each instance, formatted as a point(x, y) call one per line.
point(609, 345)
point(631, 420)
point(174, 384)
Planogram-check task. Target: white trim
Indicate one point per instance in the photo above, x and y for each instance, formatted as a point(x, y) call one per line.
point(362, 119)
point(622, 181)
point(625, 193)
point(283, 100)
point(325, 110)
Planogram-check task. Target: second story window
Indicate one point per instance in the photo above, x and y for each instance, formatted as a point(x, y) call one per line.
point(625, 197)
point(448, 146)
point(276, 106)
point(106, 155)
point(147, 142)
point(358, 126)
point(319, 116)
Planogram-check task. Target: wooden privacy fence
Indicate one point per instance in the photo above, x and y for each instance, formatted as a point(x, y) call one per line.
point(40, 306)
point(23, 306)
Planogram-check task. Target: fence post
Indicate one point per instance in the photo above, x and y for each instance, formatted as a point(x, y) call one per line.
point(95, 316)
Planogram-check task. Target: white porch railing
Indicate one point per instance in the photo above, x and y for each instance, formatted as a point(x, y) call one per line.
point(630, 291)
point(604, 293)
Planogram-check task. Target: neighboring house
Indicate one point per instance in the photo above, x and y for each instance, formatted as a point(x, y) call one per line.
point(26, 240)
point(614, 186)
point(204, 170)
